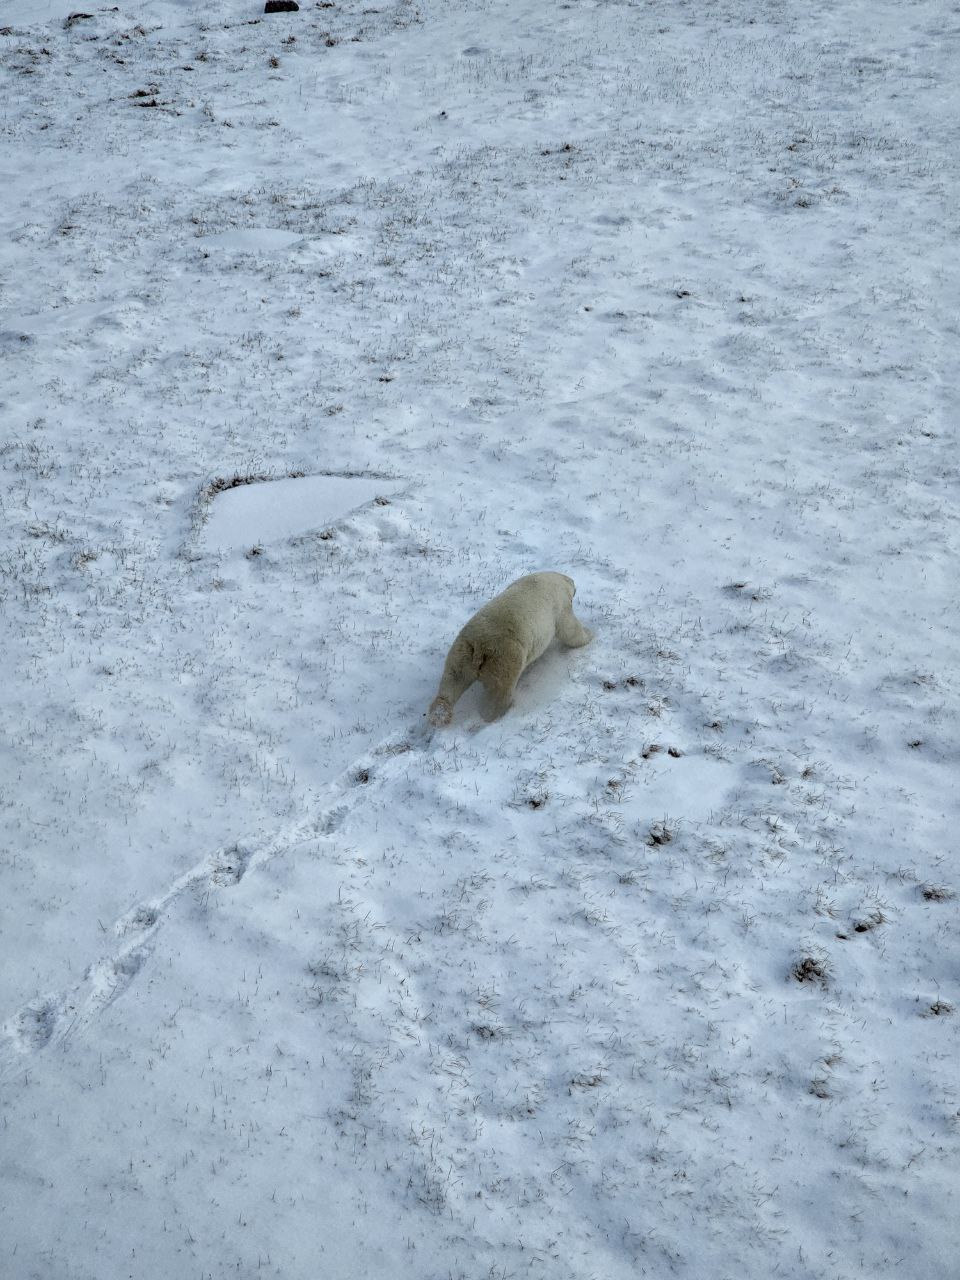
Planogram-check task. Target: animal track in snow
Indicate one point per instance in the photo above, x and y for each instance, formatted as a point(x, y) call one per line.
point(108, 978)
point(229, 865)
point(140, 919)
point(54, 1018)
point(34, 1026)
point(109, 974)
point(330, 820)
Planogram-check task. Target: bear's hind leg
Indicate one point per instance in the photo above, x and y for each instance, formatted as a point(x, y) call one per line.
point(571, 631)
point(459, 674)
point(499, 674)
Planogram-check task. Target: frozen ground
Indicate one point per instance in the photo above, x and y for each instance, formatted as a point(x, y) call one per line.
point(658, 976)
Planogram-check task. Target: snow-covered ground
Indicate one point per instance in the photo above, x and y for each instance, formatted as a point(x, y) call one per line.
point(660, 974)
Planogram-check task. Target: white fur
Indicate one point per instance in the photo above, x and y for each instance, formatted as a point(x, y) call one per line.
point(504, 637)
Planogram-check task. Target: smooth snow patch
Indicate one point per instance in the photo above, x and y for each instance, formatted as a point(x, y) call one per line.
point(270, 509)
point(77, 321)
point(691, 789)
point(253, 239)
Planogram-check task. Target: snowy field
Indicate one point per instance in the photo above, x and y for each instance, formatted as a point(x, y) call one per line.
point(317, 330)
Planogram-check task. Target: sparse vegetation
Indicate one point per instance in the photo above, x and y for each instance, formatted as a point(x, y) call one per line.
point(657, 974)
point(812, 969)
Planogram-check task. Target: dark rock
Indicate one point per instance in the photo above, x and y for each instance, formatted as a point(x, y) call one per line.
point(281, 6)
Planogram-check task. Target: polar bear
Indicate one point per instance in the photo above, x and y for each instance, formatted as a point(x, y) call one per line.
point(504, 637)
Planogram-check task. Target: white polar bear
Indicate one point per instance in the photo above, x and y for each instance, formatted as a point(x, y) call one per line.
point(504, 637)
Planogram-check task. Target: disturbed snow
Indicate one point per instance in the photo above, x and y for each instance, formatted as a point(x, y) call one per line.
point(656, 976)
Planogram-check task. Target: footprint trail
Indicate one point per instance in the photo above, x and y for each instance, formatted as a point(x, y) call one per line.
point(54, 1017)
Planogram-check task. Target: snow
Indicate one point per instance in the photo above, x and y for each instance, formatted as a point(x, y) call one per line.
point(251, 513)
point(658, 975)
point(256, 239)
